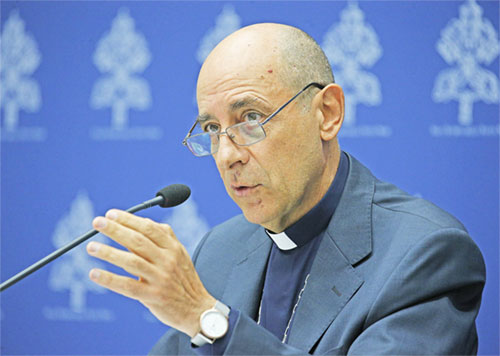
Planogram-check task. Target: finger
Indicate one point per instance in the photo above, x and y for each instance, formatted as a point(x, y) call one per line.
point(131, 239)
point(126, 286)
point(130, 262)
point(161, 234)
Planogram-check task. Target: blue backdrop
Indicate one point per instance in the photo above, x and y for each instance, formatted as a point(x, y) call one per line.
point(95, 98)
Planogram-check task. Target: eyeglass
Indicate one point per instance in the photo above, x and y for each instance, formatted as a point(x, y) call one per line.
point(243, 134)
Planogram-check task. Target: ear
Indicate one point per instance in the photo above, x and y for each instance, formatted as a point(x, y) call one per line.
point(331, 111)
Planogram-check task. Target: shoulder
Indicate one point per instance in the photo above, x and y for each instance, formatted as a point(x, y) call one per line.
point(391, 200)
point(402, 221)
point(392, 209)
point(397, 227)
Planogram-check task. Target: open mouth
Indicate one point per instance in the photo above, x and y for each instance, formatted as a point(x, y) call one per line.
point(244, 190)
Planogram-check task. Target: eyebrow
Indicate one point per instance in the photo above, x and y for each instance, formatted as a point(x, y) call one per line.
point(238, 104)
point(204, 117)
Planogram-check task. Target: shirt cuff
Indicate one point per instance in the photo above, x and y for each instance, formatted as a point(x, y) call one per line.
point(220, 345)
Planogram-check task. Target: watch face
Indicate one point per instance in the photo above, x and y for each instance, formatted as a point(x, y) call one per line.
point(214, 324)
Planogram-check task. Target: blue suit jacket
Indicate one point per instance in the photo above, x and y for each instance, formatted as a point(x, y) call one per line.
point(394, 274)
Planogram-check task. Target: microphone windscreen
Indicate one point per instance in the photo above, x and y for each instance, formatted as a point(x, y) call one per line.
point(173, 195)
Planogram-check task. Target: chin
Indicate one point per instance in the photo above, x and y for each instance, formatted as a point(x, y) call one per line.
point(258, 217)
point(259, 211)
point(252, 217)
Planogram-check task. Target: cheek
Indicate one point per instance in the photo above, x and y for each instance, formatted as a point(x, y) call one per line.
point(297, 162)
point(280, 168)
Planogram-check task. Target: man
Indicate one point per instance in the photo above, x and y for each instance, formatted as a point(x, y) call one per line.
point(327, 259)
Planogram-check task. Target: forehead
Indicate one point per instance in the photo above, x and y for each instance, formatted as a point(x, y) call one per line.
point(219, 96)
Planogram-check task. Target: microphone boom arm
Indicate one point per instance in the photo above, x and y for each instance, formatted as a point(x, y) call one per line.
point(49, 258)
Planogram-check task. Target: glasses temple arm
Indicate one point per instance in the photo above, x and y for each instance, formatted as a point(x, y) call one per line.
point(320, 86)
point(189, 132)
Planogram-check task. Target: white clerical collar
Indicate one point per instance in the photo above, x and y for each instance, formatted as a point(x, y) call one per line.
point(282, 241)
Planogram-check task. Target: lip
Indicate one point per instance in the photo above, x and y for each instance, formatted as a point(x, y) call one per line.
point(244, 190)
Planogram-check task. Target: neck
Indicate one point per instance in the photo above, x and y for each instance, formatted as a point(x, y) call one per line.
point(314, 191)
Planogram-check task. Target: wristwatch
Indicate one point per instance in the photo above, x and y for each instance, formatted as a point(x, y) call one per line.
point(214, 324)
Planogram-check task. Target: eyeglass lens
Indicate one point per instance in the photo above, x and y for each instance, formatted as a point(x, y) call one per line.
point(243, 134)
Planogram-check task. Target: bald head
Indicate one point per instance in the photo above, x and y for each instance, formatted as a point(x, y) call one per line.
point(293, 56)
point(303, 59)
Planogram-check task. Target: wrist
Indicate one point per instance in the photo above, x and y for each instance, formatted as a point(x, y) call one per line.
point(213, 324)
point(206, 304)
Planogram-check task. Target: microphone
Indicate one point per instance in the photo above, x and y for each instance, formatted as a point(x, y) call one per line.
point(173, 195)
point(170, 196)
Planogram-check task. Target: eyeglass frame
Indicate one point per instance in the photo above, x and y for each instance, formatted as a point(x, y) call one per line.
point(261, 124)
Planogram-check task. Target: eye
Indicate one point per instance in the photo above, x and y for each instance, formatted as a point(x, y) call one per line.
point(211, 128)
point(253, 116)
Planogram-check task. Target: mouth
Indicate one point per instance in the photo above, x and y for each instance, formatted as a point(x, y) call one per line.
point(244, 190)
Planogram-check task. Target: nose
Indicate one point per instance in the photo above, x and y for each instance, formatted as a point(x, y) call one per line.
point(230, 153)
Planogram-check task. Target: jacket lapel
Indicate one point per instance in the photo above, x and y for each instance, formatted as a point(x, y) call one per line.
point(244, 286)
point(333, 280)
point(331, 285)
